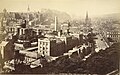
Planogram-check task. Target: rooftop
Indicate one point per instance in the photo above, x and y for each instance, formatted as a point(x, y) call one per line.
point(30, 54)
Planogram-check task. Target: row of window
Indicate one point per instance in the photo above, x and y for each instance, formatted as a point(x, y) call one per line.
point(113, 35)
point(44, 43)
point(11, 29)
point(43, 52)
point(43, 48)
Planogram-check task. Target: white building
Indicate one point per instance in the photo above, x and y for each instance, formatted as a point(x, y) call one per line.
point(45, 45)
point(51, 46)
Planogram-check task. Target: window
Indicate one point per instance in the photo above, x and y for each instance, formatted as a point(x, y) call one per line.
point(43, 52)
point(43, 48)
point(11, 29)
point(40, 47)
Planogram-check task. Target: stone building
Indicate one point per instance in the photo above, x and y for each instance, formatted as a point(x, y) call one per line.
point(50, 47)
point(7, 50)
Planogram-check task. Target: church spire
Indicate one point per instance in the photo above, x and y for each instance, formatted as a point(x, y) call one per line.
point(86, 19)
point(28, 9)
point(86, 16)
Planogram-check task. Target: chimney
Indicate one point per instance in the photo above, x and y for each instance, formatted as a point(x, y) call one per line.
point(56, 23)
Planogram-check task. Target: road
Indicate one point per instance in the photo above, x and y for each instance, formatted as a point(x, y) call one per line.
point(100, 43)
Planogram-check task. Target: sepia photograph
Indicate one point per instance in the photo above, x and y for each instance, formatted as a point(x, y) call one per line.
point(64, 37)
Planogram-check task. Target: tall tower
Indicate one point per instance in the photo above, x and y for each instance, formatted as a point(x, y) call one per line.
point(87, 24)
point(28, 9)
point(86, 19)
point(28, 15)
point(56, 24)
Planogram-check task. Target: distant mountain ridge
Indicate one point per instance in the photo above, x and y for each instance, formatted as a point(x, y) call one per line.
point(50, 15)
point(112, 15)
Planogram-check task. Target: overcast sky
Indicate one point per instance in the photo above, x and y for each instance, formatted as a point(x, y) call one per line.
point(77, 7)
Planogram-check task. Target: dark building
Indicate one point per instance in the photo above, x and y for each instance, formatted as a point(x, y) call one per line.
point(7, 50)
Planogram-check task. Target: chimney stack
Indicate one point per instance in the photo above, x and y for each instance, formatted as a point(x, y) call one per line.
point(56, 23)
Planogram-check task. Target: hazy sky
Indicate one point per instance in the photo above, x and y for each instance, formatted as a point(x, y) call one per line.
point(77, 7)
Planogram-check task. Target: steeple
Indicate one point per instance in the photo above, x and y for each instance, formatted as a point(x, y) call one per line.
point(28, 9)
point(86, 19)
point(87, 24)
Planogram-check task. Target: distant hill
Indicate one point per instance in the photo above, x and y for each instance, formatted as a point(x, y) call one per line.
point(112, 16)
point(48, 16)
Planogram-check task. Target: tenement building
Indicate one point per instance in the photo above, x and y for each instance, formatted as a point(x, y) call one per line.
point(50, 47)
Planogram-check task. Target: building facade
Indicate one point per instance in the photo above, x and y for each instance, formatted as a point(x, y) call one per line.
point(115, 35)
point(7, 50)
point(51, 47)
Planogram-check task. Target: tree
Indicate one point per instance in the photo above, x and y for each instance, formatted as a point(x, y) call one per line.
point(99, 62)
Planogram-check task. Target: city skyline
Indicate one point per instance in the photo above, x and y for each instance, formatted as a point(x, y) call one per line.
point(72, 7)
point(59, 37)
